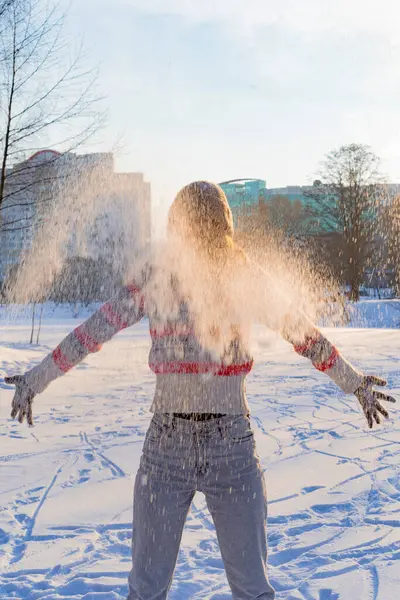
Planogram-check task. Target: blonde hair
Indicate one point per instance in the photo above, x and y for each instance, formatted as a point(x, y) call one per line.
point(200, 222)
point(201, 216)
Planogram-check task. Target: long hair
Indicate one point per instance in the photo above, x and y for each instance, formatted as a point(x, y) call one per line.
point(201, 218)
point(200, 223)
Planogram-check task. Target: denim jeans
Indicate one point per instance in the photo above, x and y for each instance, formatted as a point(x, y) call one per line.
point(216, 457)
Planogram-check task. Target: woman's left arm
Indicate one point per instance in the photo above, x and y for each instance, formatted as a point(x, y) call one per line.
point(123, 310)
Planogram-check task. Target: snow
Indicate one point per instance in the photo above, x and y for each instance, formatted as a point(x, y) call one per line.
point(375, 313)
point(66, 484)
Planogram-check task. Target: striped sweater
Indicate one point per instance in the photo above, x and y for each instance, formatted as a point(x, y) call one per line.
point(189, 377)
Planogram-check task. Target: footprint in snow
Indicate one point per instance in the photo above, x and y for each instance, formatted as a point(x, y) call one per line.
point(312, 488)
point(327, 594)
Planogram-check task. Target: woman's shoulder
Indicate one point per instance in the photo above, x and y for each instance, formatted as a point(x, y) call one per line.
point(152, 268)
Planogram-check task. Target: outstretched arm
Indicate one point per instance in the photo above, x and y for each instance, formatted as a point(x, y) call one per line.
point(124, 309)
point(309, 341)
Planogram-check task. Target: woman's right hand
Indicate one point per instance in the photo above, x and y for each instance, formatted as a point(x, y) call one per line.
point(22, 402)
point(370, 399)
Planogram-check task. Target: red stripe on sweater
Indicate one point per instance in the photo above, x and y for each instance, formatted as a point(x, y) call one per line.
point(309, 343)
point(61, 361)
point(86, 340)
point(112, 317)
point(329, 362)
point(194, 368)
point(136, 291)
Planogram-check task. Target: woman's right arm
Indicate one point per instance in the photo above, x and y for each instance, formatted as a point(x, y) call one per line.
point(272, 307)
point(123, 310)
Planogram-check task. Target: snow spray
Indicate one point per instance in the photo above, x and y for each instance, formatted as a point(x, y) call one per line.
point(283, 276)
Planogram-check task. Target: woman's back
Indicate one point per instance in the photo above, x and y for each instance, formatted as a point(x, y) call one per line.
point(200, 363)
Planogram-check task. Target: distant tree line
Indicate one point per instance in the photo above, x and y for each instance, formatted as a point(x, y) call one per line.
point(349, 227)
point(82, 280)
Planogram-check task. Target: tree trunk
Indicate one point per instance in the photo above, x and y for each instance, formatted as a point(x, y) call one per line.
point(10, 105)
point(40, 324)
point(33, 322)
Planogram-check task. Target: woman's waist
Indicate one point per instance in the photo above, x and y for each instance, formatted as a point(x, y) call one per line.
point(200, 390)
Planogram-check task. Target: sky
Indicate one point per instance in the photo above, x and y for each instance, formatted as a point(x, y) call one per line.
point(223, 89)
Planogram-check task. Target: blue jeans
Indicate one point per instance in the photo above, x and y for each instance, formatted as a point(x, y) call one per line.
point(216, 457)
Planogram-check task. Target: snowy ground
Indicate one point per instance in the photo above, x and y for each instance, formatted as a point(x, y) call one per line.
point(66, 485)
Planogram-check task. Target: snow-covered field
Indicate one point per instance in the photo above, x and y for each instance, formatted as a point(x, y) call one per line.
point(375, 313)
point(66, 485)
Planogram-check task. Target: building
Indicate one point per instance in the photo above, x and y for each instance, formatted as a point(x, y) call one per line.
point(244, 195)
point(93, 203)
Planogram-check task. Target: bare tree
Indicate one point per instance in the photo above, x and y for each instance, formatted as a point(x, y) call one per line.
point(277, 216)
point(5, 6)
point(286, 216)
point(390, 227)
point(47, 94)
point(345, 201)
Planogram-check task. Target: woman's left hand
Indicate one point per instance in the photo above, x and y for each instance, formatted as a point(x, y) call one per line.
point(23, 398)
point(370, 399)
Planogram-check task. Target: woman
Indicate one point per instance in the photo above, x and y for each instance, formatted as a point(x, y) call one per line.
point(200, 299)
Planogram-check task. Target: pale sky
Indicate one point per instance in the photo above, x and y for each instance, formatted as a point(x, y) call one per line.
point(222, 89)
